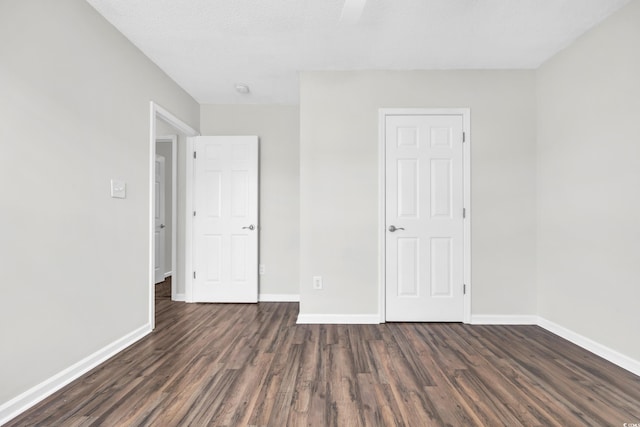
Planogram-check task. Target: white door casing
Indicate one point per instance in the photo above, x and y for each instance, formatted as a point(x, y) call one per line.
point(157, 112)
point(225, 226)
point(159, 219)
point(424, 243)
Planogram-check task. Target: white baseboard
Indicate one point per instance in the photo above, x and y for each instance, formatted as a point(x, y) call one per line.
point(178, 297)
point(24, 401)
point(503, 319)
point(354, 319)
point(279, 298)
point(605, 352)
point(167, 274)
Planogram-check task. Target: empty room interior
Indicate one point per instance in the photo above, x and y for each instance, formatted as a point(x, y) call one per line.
point(418, 212)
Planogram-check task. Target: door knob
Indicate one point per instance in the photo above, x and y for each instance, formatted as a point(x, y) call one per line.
point(251, 227)
point(393, 228)
point(162, 226)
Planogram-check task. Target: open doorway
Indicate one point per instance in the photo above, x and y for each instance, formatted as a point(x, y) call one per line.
point(165, 216)
point(163, 123)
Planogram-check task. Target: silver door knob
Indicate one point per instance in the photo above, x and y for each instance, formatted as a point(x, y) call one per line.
point(393, 228)
point(162, 226)
point(251, 227)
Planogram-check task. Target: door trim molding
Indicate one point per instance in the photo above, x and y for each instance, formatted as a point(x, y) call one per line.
point(188, 229)
point(278, 297)
point(466, 155)
point(157, 112)
point(338, 319)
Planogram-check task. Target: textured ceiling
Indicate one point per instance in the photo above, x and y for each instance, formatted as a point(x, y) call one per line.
point(207, 46)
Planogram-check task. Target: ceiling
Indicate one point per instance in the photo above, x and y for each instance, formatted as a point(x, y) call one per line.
point(207, 46)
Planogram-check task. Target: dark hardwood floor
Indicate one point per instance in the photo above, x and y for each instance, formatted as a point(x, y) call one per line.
point(238, 365)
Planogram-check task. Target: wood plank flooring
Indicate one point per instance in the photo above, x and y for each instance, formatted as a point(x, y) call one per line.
point(251, 365)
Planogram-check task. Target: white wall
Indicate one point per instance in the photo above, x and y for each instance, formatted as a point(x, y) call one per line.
point(278, 129)
point(339, 182)
point(588, 184)
point(74, 113)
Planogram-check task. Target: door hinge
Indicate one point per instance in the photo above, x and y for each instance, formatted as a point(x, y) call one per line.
point(464, 213)
point(464, 289)
point(194, 213)
point(464, 137)
point(194, 155)
point(194, 274)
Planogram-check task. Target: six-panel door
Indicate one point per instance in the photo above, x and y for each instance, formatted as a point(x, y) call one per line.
point(226, 219)
point(424, 201)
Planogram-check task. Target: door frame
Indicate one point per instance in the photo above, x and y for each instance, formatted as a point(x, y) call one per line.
point(173, 140)
point(157, 112)
point(383, 113)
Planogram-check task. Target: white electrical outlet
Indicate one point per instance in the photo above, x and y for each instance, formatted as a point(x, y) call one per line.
point(262, 269)
point(317, 282)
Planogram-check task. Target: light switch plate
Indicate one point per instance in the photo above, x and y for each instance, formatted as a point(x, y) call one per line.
point(118, 189)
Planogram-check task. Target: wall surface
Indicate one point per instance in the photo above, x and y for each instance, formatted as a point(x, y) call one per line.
point(339, 182)
point(74, 113)
point(588, 180)
point(278, 129)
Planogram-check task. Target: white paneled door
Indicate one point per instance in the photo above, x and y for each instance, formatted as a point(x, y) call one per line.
point(226, 219)
point(424, 218)
point(160, 229)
